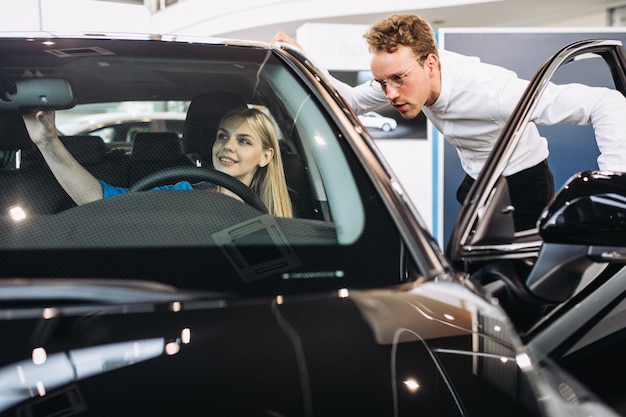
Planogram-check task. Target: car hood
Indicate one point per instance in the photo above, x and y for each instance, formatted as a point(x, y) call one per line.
point(292, 355)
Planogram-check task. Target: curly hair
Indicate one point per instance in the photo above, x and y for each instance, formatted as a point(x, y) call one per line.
point(402, 29)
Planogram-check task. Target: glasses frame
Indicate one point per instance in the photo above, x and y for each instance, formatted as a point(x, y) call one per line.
point(395, 80)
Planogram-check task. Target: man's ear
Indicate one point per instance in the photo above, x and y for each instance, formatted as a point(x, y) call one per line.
point(433, 63)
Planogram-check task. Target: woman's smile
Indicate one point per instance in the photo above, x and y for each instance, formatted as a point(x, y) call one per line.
point(238, 149)
point(226, 161)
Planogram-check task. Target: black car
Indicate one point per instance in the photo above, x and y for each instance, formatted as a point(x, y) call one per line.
point(185, 302)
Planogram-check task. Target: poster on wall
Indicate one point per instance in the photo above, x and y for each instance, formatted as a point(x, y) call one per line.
point(384, 123)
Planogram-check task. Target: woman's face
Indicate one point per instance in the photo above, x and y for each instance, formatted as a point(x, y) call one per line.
point(238, 150)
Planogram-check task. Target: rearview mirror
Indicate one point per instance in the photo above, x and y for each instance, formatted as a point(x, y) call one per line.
point(37, 93)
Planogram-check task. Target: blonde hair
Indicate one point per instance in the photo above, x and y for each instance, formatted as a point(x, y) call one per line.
point(402, 29)
point(269, 181)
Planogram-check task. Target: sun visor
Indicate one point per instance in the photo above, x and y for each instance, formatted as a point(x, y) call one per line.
point(36, 93)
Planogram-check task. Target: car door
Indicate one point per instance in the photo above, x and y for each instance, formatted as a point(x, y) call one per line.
point(563, 283)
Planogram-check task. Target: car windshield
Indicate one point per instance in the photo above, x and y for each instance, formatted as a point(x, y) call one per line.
point(155, 188)
point(154, 106)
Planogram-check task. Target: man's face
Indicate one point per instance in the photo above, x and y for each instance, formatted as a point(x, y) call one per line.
point(409, 82)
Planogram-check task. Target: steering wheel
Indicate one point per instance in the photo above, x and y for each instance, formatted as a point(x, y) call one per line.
point(192, 174)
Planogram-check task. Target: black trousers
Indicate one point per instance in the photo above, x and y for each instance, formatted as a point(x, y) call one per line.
point(530, 189)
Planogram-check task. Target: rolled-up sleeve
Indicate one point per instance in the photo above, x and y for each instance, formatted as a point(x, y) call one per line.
point(109, 190)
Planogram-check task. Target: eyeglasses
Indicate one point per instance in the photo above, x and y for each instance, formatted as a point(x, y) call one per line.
point(395, 80)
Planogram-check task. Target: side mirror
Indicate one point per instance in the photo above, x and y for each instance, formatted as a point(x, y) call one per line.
point(590, 209)
point(584, 224)
point(36, 93)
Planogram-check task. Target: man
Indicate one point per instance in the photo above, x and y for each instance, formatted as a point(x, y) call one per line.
point(469, 102)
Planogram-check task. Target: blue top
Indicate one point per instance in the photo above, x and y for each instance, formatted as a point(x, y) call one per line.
point(111, 191)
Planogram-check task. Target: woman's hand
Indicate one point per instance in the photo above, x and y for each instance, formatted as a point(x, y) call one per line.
point(77, 182)
point(41, 126)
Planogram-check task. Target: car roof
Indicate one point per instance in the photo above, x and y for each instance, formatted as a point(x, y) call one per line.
point(110, 58)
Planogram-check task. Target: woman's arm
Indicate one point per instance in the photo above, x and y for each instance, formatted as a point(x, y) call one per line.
point(77, 182)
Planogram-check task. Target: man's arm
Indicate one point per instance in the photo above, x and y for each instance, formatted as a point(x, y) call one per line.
point(580, 104)
point(362, 98)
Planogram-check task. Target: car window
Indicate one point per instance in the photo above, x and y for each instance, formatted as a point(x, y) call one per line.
point(341, 227)
point(120, 121)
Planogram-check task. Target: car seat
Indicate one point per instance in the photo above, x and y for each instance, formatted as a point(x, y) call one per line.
point(91, 152)
point(154, 151)
point(25, 179)
point(299, 186)
point(203, 118)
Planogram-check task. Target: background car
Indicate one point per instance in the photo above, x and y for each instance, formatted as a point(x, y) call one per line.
point(377, 121)
point(118, 129)
point(169, 302)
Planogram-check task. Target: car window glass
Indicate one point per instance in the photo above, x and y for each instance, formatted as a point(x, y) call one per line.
point(343, 233)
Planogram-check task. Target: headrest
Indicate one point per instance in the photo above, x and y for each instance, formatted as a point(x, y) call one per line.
point(86, 149)
point(203, 118)
point(156, 146)
point(13, 133)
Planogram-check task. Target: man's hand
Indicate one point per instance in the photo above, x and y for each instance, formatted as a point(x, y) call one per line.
point(284, 38)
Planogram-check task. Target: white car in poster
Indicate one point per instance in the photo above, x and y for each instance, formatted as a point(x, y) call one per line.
point(375, 120)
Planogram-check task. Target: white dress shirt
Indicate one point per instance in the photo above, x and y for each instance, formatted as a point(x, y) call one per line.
point(476, 100)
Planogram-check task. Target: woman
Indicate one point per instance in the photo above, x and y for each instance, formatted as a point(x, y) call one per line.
point(246, 147)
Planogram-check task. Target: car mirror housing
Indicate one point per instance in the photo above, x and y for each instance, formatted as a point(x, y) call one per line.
point(36, 93)
point(585, 223)
point(590, 209)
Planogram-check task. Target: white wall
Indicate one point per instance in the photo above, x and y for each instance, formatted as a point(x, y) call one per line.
point(71, 16)
point(259, 19)
point(208, 18)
